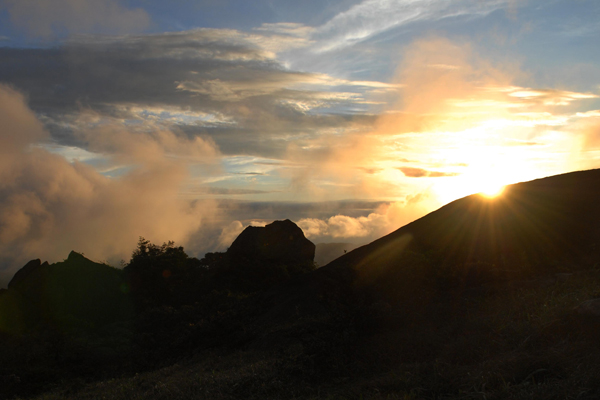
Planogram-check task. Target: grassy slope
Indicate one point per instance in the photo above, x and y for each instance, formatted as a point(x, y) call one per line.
point(549, 218)
point(520, 341)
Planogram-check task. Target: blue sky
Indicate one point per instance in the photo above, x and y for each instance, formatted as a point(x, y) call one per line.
point(189, 120)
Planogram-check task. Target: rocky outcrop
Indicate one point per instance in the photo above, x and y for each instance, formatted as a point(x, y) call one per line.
point(280, 241)
point(76, 293)
point(27, 270)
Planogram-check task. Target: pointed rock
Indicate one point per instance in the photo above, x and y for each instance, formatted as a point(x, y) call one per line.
point(74, 256)
point(27, 270)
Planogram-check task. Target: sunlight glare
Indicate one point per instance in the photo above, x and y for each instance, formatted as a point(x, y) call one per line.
point(492, 190)
point(489, 168)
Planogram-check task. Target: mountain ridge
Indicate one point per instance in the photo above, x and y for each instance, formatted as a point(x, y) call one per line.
point(540, 223)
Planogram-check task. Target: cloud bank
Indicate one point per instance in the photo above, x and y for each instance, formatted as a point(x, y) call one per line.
point(364, 229)
point(221, 83)
point(49, 206)
point(455, 126)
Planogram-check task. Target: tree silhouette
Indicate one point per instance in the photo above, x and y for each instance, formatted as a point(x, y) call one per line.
point(160, 275)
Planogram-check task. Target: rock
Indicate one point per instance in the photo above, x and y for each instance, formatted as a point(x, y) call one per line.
point(589, 308)
point(76, 293)
point(76, 257)
point(27, 270)
point(280, 241)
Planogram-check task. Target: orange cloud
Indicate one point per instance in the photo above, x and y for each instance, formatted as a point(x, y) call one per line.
point(458, 118)
point(50, 206)
point(423, 173)
point(435, 73)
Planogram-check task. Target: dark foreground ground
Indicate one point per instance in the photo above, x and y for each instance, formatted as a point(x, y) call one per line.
point(522, 340)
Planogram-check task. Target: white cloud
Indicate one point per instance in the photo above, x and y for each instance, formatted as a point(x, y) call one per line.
point(229, 233)
point(549, 97)
point(232, 231)
point(375, 16)
point(384, 220)
point(589, 114)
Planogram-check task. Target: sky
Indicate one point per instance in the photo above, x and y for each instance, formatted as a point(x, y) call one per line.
point(190, 120)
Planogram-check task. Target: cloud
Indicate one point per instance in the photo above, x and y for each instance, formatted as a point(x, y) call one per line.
point(587, 129)
point(47, 18)
point(230, 90)
point(457, 118)
point(548, 97)
point(372, 17)
point(226, 191)
point(422, 173)
point(215, 82)
point(385, 219)
point(124, 144)
point(19, 125)
point(286, 28)
point(589, 114)
point(230, 232)
point(342, 226)
point(49, 206)
point(223, 86)
point(364, 161)
point(282, 36)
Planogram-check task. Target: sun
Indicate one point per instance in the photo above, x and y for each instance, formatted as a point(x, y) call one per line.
point(492, 190)
point(486, 185)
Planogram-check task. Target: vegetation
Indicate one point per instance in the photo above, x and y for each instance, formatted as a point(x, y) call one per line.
point(497, 340)
point(78, 321)
point(512, 341)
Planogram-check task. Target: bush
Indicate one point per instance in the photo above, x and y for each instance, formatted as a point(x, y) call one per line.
point(163, 275)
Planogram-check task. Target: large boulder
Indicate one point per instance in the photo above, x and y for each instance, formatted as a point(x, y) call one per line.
point(281, 242)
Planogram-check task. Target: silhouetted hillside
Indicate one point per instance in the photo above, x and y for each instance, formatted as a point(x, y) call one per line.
point(538, 227)
point(71, 295)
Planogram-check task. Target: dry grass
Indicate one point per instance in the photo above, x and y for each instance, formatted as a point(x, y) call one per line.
point(520, 341)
